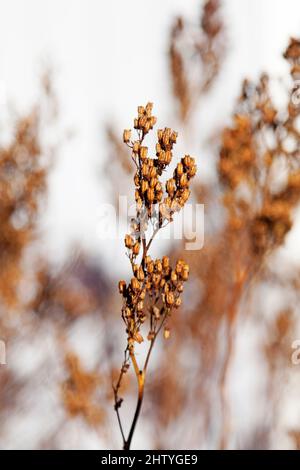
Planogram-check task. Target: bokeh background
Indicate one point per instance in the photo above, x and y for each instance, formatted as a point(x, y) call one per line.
point(64, 339)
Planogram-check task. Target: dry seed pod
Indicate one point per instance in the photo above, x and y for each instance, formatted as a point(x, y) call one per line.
point(150, 195)
point(143, 152)
point(170, 298)
point(126, 136)
point(177, 302)
point(122, 287)
point(165, 262)
point(179, 169)
point(140, 274)
point(128, 241)
point(136, 146)
point(135, 284)
point(136, 248)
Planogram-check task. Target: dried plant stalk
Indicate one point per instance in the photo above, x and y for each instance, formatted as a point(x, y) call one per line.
point(155, 288)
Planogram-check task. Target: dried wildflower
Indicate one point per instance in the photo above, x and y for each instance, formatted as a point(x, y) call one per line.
point(247, 161)
point(155, 288)
point(195, 54)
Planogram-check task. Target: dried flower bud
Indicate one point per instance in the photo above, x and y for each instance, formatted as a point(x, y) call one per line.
point(152, 172)
point(143, 152)
point(128, 241)
point(144, 186)
point(127, 312)
point(135, 284)
point(177, 302)
point(140, 274)
point(174, 136)
point(136, 248)
point(170, 186)
point(158, 265)
point(150, 267)
point(136, 146)
point(165, 262)
point(122, 287)
point(138, 337)
point(179, 169)
point(179, 287)
point(185, 272)
point(170, 298)
point(126, 136)
point(183, 180)
point(150, 195)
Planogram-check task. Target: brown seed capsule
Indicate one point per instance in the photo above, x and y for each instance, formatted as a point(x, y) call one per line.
point(145, 169)
point(136, 123)
point(149, 107)
point(179, 169)
point(122, 287)
point(136, 248)
point(152, 172)
point(192, 171)
point(187, 161)
point(135, 284)
point(177, 302)
point(158, 266)
point(159, 134)
point(179, 287)
point(140, 274)
point(183, 180)
point(185, 272)
point(150, 195)
point(170, 298)
point(143, 152)
point(126, 136)
point(127, 312)
point(144, 186)
point(142, 295)
point(136, 179)
point(168, 157)
point(173, 276)
point(137, 195)
point(174, 136)
point(140, 306)
point(165, 262)
point(138, 337)
point(141, 111)
point(185, 195)
point(150, 267)
point(128, 241)
point(156, 279)
point(153, 182)
point(170, 186)
point(136, 146)
point(159, 196)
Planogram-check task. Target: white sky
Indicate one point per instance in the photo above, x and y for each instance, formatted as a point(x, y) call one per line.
point(108, 58)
